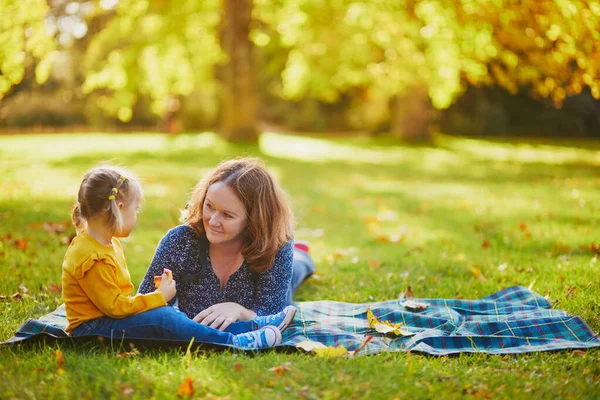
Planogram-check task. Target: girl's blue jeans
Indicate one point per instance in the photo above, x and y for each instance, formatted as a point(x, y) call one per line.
point(160, 323)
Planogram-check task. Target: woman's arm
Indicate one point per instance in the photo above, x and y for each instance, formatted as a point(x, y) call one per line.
point(273, 286)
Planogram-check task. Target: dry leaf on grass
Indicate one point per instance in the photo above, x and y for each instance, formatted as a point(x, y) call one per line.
point(280, 369)
point(187, 387)
point(60, 360)
point(321, 350)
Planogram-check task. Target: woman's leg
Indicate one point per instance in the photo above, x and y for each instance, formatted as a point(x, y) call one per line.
point(159, 323)
point(302, 267)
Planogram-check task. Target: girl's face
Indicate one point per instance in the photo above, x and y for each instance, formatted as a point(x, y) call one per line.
point(129, 212)
point(223, 215)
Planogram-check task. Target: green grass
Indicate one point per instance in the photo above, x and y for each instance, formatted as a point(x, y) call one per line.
point(535, 204)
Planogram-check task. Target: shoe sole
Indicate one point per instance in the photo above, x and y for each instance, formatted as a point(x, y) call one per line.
point(289, 318)
point(278, 337)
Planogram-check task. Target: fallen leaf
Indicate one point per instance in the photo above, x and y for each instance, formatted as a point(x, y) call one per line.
point(186, 388)
point(485, 244)
point(126, 390)
point(60, 360)
point(523, 226)
point(309, 345)
point(51, 227)
point(382, 239)
point(386, 327)
point(238, 367)
point(331, 352)
point(477, 272)
point(280, 369)
point(21, 244)
point(414, 305)
point(571, 291)
point(373, 264)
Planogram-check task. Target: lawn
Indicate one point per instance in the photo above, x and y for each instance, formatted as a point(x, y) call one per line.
point(461, 219)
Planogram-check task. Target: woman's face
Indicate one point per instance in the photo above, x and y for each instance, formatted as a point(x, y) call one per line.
point(224, 215)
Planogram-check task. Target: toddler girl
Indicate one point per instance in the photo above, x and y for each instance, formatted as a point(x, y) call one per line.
point(97, 286)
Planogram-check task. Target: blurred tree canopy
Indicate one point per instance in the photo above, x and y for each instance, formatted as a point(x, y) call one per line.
point(396, 61)
point(23, 36)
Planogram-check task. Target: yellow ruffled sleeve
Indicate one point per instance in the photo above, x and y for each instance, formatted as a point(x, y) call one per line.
point(98, 279)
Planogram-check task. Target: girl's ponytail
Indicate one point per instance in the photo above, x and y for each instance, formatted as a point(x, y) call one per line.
point(100, 193)
point(115, 219)
point(78, 220)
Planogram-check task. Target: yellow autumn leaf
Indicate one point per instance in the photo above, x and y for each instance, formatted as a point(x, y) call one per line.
point(386, 327)
point(331, 352)
point(321, 350)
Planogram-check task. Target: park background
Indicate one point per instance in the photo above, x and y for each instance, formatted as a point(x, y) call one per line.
point(444, 148)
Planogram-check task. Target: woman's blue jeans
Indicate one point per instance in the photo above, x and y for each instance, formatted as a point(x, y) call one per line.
point(160, 323)
point(302, 267)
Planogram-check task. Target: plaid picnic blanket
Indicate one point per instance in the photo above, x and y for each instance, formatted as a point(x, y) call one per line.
point(512, 320)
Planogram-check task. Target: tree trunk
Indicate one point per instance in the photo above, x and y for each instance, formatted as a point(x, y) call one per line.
point(238, 117)
point(410, 116)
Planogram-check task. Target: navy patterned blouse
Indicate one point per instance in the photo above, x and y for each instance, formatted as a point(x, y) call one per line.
point(183, 252)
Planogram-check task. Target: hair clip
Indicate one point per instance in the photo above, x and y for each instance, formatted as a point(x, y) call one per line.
point(111, 197)
point(115, 190)
point(123, 178)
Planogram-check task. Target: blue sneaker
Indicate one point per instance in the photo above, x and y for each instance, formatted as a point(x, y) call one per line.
point(263, 338)
point(280, 320)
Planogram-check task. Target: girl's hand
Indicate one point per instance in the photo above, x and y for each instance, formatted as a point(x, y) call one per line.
point(220, 316)
point(167, 287)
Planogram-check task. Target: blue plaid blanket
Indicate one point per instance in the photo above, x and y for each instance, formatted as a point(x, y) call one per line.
point(513, 320)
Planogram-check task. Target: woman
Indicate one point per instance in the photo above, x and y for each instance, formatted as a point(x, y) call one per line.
point(234, 257)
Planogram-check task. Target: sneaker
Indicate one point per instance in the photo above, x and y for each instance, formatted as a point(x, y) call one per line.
point(301, 245)
point(263, 338)
point(280, 320)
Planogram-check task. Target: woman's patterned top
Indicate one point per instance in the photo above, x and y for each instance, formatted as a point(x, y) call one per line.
point(183, 252)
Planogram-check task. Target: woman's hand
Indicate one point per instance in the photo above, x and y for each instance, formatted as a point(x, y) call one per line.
point(220, 316)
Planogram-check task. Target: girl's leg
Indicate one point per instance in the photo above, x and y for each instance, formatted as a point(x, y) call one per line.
point(169, 323)
point(159, 323)
point(241, 327)
point(280, 320)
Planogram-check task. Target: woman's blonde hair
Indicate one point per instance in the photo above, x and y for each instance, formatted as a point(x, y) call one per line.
point(100, 191)
point(269, 218)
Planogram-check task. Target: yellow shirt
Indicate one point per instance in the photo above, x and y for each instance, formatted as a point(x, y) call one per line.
point(96, 283)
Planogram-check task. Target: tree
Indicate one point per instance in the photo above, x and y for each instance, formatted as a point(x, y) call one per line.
point(23, 40)
point(399, 49)
point(239, 73)
point(161, 49)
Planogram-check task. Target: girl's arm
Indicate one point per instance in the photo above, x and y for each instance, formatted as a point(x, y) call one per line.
point(272, 286)
point(100, 285)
